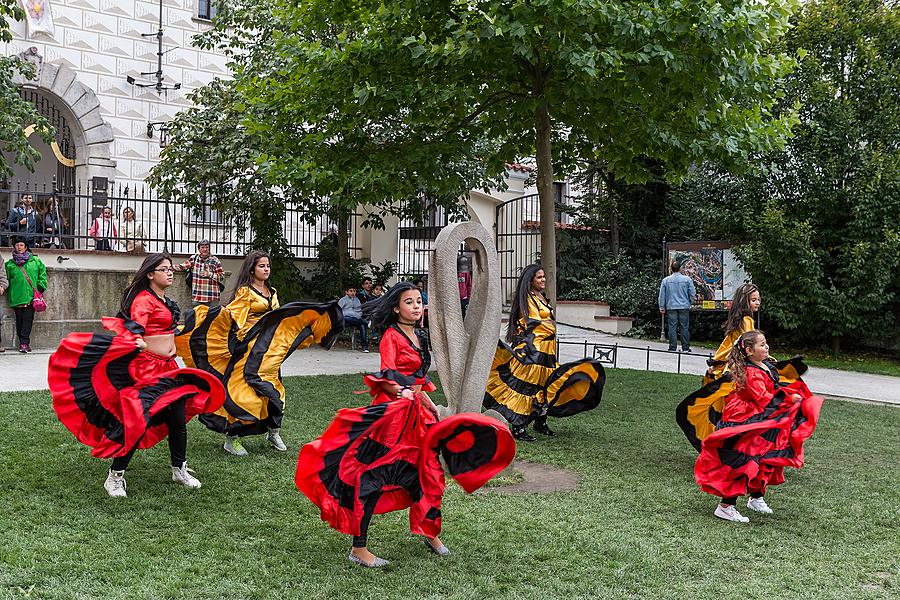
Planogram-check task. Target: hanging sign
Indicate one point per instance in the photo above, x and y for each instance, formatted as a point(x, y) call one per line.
point(37, 12)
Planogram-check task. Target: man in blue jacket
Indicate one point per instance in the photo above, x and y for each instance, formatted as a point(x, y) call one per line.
point(25, 220)
point(676, 293)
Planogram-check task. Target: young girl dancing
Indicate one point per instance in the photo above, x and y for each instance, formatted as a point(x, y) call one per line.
point(698, 414)
point(245, 343)
point(762, 430)
point(384, 457)
point(124, 392)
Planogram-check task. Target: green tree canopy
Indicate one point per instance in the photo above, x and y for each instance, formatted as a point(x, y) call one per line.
point(16, 113)
point(822, 217)
point(375, 103)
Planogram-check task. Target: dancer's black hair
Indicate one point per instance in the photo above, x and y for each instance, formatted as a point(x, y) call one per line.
point(519, 305)
point(740, 307)
point(381, 310)
point(245, 274)
point(139, 282)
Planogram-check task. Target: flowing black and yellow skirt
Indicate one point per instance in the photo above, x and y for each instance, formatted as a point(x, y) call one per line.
point(523, 386)
point(250, 368)
point(698, 414)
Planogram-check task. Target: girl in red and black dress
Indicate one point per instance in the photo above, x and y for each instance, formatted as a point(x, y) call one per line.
point(762, 430)
point(124, 392)
point(384, 457)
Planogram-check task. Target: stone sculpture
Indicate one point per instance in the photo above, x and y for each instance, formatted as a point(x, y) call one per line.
point(463, 349)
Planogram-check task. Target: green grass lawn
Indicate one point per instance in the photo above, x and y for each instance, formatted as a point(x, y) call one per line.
point(636, 527)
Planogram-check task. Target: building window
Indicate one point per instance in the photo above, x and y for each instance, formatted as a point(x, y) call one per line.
point(206, 9)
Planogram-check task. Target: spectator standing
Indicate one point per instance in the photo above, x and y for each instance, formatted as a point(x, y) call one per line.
point(206, 276)
point(103, 230)
point(351, 306)
point(25, 220)
point(464, 280)
point(4, 284)
point(53, 226)
point(365, 293)
point(676, 294)
point(26, 273)
point(131, 238)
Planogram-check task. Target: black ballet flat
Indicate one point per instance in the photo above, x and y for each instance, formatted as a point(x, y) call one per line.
point(544, 429)
point(523, 435)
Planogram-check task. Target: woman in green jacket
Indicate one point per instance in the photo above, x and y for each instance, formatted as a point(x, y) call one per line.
point(21, 291)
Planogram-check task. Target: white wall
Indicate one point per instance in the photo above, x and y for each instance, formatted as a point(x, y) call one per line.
point(101, 40)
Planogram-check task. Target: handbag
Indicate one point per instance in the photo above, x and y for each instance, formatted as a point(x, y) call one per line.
point(37, 302)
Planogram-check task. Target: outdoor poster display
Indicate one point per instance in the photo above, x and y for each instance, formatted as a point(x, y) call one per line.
point(715, 269)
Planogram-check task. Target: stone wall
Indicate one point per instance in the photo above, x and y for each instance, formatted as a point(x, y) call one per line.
point(76, 300)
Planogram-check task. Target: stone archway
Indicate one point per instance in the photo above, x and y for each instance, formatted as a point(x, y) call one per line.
point(92, 135)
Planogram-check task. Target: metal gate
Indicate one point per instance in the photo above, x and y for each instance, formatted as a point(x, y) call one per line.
point(517, 225)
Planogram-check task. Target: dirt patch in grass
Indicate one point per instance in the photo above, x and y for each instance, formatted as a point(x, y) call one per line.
point(535, 478)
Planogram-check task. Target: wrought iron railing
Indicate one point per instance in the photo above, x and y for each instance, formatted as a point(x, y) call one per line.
point(66, 217)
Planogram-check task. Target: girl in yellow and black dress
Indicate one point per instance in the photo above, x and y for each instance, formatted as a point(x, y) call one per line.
point(244, 343)
point(526, 382)
point(698, 414)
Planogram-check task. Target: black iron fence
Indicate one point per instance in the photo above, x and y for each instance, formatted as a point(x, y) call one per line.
point(518, 235)
point(611, 354)
point(140, 221)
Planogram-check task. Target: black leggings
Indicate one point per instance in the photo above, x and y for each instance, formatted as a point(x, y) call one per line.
point(359, 541)
point(24, 323)
point(732, 500)
point(173, 416)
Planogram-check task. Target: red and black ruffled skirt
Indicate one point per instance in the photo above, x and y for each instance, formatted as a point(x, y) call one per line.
point(745, 457)
point(385, 457)
point(110, 395)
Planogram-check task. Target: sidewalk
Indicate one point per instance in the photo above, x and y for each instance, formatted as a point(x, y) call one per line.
point(21, 372)
point(632, 354)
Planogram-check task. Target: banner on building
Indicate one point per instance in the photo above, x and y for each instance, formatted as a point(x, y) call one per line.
point(39, 17)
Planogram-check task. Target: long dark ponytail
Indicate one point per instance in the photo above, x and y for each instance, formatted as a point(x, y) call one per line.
point(139, 282)
point(519, 305)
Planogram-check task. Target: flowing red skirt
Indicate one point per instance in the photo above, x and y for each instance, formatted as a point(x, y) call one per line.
point(387, 453)
point(746, 457)
point(109, 395)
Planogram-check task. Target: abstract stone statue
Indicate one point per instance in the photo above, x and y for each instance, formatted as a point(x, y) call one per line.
point(464, 348)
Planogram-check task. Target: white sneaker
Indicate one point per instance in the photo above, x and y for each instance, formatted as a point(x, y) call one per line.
point(759, 505)
point(233, 446)
point(115, 484)
point(730, 513)
point(274, 438)
point(184, 476)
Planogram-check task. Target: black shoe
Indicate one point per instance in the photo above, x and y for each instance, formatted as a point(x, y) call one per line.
point(521, 434)
point(541, 427)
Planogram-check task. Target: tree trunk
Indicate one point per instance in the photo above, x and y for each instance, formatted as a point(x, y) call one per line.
point(545, 193)
point(343, 241)
point(613, 229)
point(836, 345)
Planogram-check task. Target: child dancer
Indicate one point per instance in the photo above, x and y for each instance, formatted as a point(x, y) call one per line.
point(698, 414)
point(124, 392)
point(763, 427)
point(384, 457)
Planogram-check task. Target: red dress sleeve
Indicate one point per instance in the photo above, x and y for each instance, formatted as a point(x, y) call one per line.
point(751, 399)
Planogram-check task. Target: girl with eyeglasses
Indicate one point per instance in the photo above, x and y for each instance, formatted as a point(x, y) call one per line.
point(121, 392)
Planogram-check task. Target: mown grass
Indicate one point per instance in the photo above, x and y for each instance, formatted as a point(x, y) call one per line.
point(636, 527)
